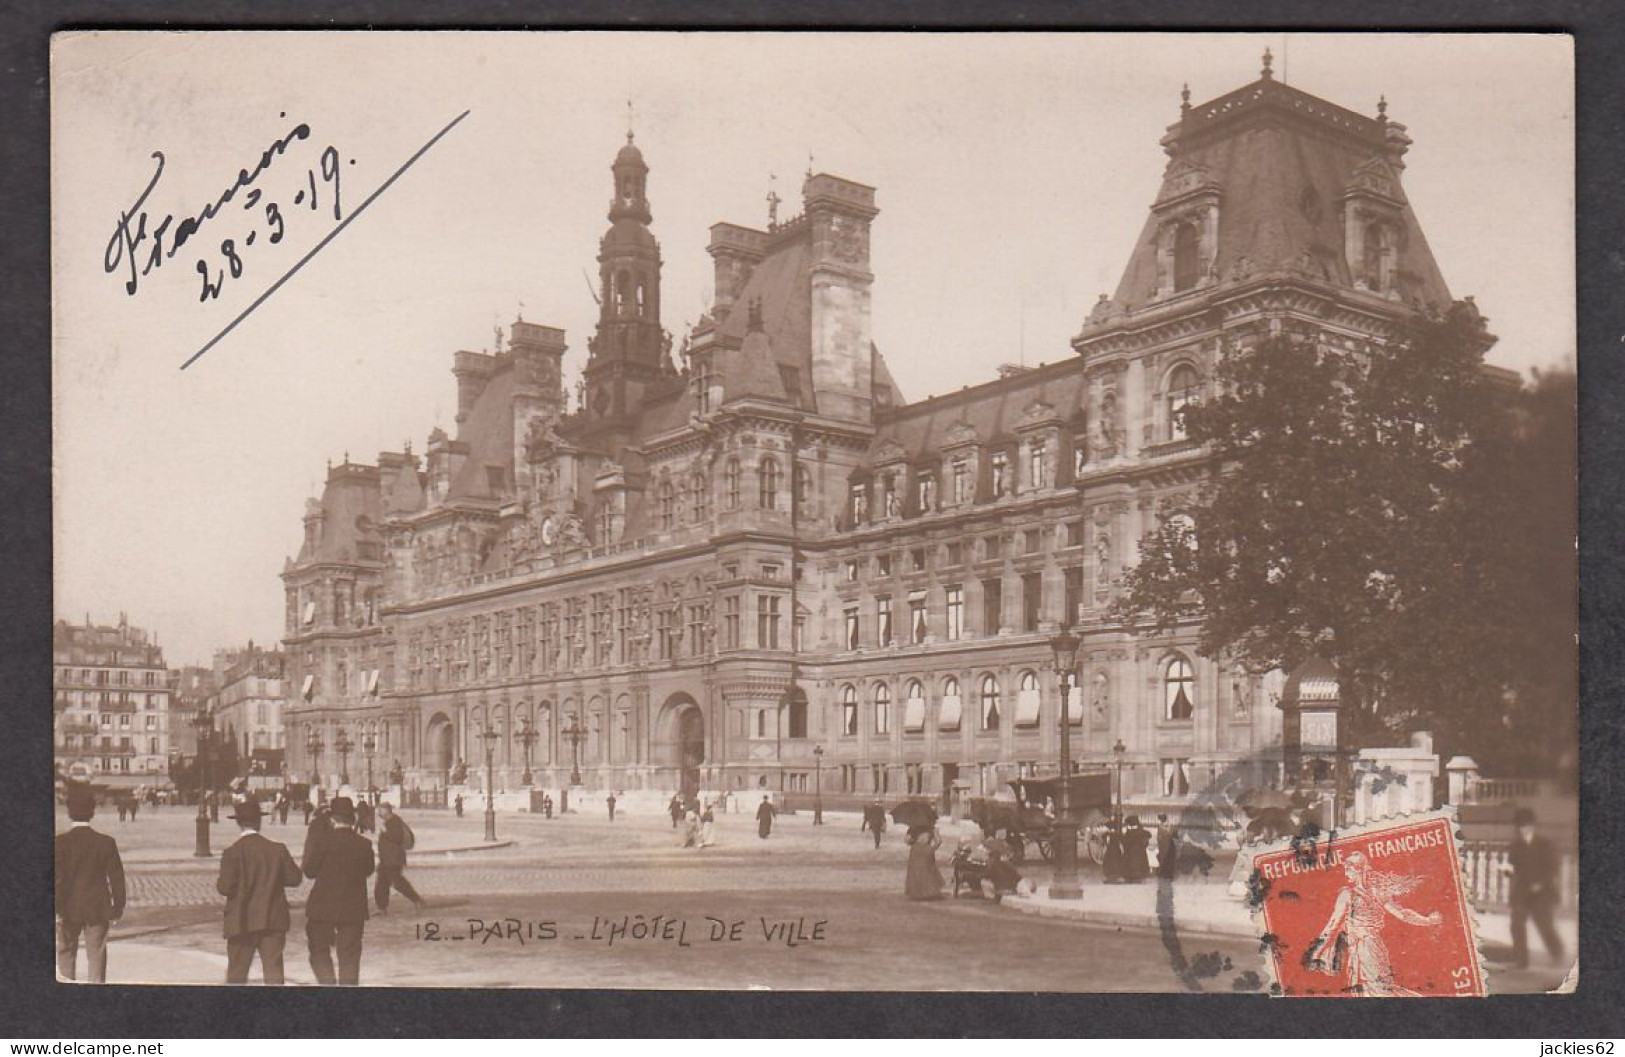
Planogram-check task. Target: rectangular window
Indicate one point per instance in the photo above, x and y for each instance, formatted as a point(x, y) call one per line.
point(767, 622)
point(992, 606)
point(849, 713)
point(772, 570)
point(917, 559)
point(926, 491)
point(1031, 541)
point(999, 465)
point(852, 628)
point(858, 504)
point(1074, 597)
point(1176, 777)
point(124, 721)
point(1032, 600)
point(851, 572)
point(883, 620)
point(883, 565)
point(152, 721)
point(1038, 465)
point(1074, 533)
point(993, 547)
point(883, 713)
point(956, 612)
point(916, 617)
point(961, 476)
point(730, 622)
point(956, 553)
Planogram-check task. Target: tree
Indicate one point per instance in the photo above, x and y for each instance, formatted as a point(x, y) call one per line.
point(1354, 507)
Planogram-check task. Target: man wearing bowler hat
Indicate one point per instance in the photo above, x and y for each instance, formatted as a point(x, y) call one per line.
point(254, 870)
point(89, 889)
point(336, 913)
point(1533, 864)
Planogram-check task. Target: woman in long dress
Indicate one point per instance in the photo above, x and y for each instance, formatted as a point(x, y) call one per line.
point(707, 820)
point(924, 881)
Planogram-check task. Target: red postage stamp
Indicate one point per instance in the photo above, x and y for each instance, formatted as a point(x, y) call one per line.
point(1377, 912)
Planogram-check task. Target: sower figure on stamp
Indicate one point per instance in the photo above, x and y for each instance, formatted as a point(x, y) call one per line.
point(336, 913)
point(1533, 867)
point(395, 839)
point(1352, 936)
point(254, 870)
point(89, 890)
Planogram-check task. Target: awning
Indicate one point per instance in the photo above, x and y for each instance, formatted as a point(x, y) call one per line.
point(1027, 708)
point(913, 715)
point(372, 681)
point(949, 719)
point(310, 610)
point(309, 685)
point(1074, 705)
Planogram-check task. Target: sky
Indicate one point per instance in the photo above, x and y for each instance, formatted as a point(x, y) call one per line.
point(1013, 174)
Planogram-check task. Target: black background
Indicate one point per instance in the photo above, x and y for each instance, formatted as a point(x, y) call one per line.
point(34, 1006)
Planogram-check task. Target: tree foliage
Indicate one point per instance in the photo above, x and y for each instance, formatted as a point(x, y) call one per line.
point(1391, 506)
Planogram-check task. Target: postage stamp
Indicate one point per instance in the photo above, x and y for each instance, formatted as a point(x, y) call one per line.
point(1380, 911)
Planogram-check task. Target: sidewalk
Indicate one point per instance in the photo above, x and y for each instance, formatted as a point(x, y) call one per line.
point(138, 962)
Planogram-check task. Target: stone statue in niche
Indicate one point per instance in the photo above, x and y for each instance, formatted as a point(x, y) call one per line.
point(1108, 430)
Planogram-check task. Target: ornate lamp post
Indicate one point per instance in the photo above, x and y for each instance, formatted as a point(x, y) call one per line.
point(314, 746)
point(490, 736)
point(369, 745)
point(818, 785)
point(575, 734)
point(1118, 752)
point(1065, 883)
point(205, 730)
point(343, 744)
point(527, 738)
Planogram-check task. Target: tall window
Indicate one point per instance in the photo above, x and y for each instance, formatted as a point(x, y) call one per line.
point(730, 622)
point(1038, 465)
point(882, 708)
point(798, 716)
point(852, 627)
point(668, 506)
point(1000, 464)
point(702, 384)
point(926, 491)
point(699, 497)
point(1032, 600)
point(803, 488)
point(956, 611)
point(1185, 257)
point(1375, 279)
point(883, 620)
point(961, 478)
point(914, 707)
point(916, 617)
point(849, 711)
point(1183, 386)
point(1179, 689)
point(858, 504)
point(767, 622)
point(990, 703)
point(1027, 700)
point(769, 483)
point(731, 483)
point(992, 606)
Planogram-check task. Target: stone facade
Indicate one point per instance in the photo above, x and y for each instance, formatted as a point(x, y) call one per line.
point(704, 574)
point(112, 703)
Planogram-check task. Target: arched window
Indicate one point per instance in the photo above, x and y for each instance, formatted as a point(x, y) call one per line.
point(623, 293)
point(668, 506)
point(1184, 387)
point(768, 480)
point(1027, 700)
point(1185, 244)
point(731, 481)
point(990, 703)
point(849, 711)
point(699, 497)
point(1179, 689)
point(882, 708)
point(948, 716)
point(914, 707)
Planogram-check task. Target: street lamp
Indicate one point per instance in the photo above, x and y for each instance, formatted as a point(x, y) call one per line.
point(575, 734)
point(369, 744)
point(1118, 752)
point(205, 728)
point(527, 737)
point(1065, 884)
point(314, 746)
point(490, 736)
point(818, 785)
point(343, 744)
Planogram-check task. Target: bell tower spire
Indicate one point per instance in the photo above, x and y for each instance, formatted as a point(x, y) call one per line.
point(625, 352)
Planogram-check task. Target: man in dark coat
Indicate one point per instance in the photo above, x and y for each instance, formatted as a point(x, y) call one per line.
point(675, 809)
point(1136, 863)
point(547, 806)
point(339, 862)
point(764, 817)
point(609, 802)
point(1533, 862)
point(457, 805)
point(395, 839)
point(874, 819)
point(1167, 848)
point(89, 890)
point(254, 870)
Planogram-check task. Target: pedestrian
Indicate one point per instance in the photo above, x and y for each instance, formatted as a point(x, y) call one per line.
point(874, 819)
point(1136, 839)
point(123, 808)
point(135, 807)
point(458, 805)
point(283, 806)
point(547, 805)
point(366, 818)
point(89, 890)
point(707, 820)
point(214, 806)
point(254, 870)
point(340, 862)
point(1532, 862)
point(307, 807)
point(1112, 866)
point(764, 817)
point(675, 809)
point(609, 801)
point(923, 881)
point(1167, 848)
point(691, 829)
point(395, 839)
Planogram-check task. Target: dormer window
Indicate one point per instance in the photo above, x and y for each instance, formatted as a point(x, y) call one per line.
point(1186, 244)
point(858, 504)
point(960, 471)
point(1038, 465)
point(926, 491)
point(1000, 464)
point(702, 384)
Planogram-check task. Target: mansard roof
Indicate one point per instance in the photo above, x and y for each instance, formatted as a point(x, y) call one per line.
point(993, 410)
point(350, 514)
point(1280, 160)
point(488, 434)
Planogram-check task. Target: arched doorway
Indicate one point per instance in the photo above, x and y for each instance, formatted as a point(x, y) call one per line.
point(680, 742)
point(440, 748)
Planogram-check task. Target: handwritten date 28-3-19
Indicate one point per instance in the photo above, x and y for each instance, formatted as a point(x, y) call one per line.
point(136, 248)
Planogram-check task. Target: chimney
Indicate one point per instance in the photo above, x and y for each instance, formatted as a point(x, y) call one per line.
point(735, 252)
point(839, 213)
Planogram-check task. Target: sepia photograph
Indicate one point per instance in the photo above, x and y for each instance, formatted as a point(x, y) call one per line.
point(852, 512)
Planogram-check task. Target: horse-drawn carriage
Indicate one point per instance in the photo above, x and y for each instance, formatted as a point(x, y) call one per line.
point(1030, 817)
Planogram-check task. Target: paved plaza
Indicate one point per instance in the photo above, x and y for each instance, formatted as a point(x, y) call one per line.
point(578, 901)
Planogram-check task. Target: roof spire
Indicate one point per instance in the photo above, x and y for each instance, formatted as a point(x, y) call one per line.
point(1382, 110)
point(773, 201)
point(809, 165)
point(1266, 73)
point(1185, 99)
point(629, 121)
